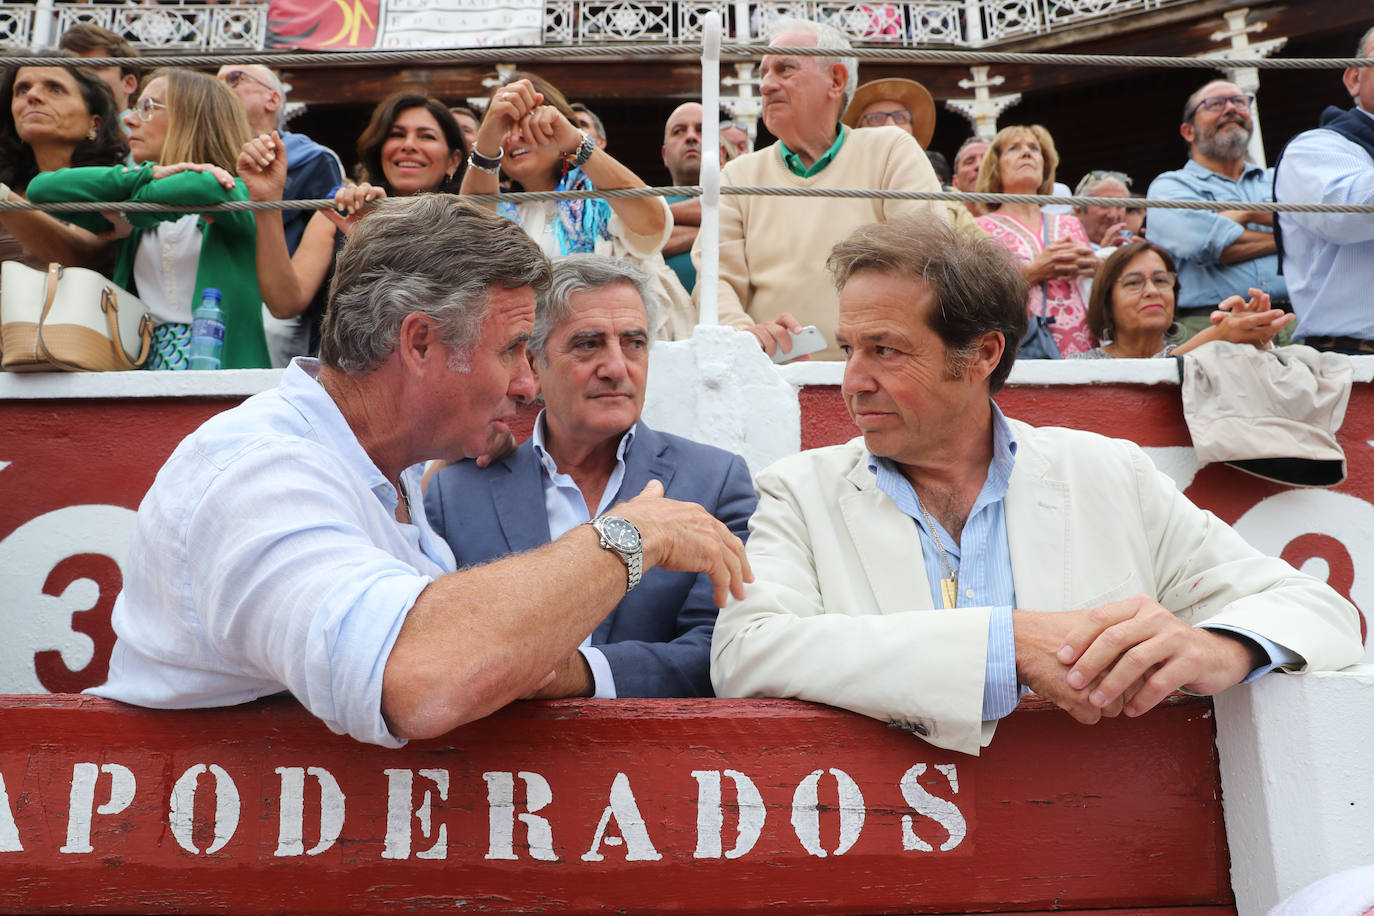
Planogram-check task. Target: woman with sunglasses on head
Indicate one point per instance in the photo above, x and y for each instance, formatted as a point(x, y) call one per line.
point(411, 145)
point(196, 125)
point(59, 117)
point(1132, 309)
point(1051, 248)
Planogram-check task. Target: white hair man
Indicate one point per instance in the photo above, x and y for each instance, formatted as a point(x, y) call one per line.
point(1329, 257)
point(313, 172)
point(1226, 253)
point(277, 549)
point(773, 249)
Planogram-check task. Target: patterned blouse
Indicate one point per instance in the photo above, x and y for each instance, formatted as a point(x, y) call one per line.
point(1067, 298)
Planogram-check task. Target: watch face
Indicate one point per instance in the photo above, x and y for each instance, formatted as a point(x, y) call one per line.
point(621, 534)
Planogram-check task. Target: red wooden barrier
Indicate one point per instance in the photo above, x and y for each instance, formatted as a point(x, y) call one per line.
point(723, 806)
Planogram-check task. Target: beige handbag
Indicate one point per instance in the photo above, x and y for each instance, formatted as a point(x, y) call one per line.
point(70, 319)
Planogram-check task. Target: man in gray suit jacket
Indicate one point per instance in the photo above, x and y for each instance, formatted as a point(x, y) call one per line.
point(926, 573)
point(589, 450)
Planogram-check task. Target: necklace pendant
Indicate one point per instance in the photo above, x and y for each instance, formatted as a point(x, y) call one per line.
point(949, 592)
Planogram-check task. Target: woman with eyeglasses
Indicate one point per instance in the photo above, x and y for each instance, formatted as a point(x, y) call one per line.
point(59, 117)
point(1132, 309)
point(411, 145)
point(1051, 248)
point(196, 125)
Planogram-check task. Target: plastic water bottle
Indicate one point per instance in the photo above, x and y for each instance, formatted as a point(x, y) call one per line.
point(207, 332)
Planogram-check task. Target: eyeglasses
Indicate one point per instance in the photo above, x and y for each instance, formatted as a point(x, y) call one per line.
point(901, 116)
point(1103, 174)
point(1218, 103)
point(737, 125)
point(147, 107)
point(234, 77)
point(1135, 283)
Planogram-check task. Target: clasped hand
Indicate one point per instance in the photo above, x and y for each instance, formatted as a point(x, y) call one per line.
point(1123, 657)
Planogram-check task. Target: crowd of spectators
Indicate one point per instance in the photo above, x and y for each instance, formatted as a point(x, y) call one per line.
point(170, 136)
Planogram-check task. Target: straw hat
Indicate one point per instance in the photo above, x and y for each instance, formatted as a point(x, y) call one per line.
point(911, 94)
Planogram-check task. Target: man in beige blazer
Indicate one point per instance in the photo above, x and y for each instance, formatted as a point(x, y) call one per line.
point(1059, 560)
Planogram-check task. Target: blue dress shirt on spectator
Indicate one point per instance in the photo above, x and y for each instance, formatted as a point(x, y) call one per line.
point(982, 557)
point(1196, 238)
point(567, 509)
point(312, 171)
point(1329, 257)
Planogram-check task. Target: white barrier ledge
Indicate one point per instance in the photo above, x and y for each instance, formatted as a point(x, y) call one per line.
point(1297, 785)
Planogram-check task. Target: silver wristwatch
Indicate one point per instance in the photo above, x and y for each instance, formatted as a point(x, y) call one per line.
point(622, 536)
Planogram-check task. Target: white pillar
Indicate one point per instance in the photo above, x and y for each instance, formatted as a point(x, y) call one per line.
point(982, 110)
point(1296, 781)
point(1237, 32)
point(710, 168)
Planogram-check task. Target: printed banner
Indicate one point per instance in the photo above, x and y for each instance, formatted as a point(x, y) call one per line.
point(364, 25)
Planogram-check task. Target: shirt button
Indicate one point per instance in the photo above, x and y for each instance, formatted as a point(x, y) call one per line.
point(968, 593)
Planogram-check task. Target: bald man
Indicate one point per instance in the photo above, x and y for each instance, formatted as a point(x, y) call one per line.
point(682, 158)
point(312, 172)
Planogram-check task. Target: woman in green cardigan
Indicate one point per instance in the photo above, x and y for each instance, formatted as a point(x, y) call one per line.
point(169, 259)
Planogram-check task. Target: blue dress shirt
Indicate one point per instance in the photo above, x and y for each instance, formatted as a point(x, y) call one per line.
point(1329, 257)
point(567, 509)
point(1196, 238)
point(981, 556)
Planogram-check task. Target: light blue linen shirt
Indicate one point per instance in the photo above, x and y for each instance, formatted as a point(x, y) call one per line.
point(567, 509)
point(267, 557)
point(1329, 257)
point(982, 558)
point(1196, 238)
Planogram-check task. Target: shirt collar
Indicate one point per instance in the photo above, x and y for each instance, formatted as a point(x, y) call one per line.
point(300, 386)
point(546, 460)
point(1199, 170)
point(794, 162)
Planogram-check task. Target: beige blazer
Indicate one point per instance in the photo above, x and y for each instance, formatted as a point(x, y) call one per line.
point(840, 612)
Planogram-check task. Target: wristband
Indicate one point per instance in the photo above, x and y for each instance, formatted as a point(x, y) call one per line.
point(486, 163)
point(578, 157)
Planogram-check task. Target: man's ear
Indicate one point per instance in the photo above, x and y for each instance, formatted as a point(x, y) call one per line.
point(419, 346)
point(130, 83)
point(1186, 131)
point(1351, 78)
point(275, 102)
point(988, 350)
point(839, 78)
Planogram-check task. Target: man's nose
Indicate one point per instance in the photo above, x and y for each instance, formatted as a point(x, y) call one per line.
point(856, 379)
point(522, 388)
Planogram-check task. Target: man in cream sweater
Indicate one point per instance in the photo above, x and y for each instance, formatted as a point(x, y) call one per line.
point(773, 249)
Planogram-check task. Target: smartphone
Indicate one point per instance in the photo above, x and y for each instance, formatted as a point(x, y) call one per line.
point(807, 340)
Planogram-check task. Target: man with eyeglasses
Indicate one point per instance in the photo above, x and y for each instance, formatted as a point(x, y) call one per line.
point(312, 172)
point(1219, 254)
point(773, 249)
point(1329, 257)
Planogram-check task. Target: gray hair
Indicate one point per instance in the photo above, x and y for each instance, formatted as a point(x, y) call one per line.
point(975, 284)
point(278, 85)
point(579, 273)
point(1366, 48)
point(827, 36)
point(434, 254)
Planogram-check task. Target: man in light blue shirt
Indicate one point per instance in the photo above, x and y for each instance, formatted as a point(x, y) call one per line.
point(1219, 254)
point(277, 549)
point(930, 571)
point(1329, 257)
point(590, 450)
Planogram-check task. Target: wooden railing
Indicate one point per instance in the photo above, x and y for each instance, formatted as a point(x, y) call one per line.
point(704, 806)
